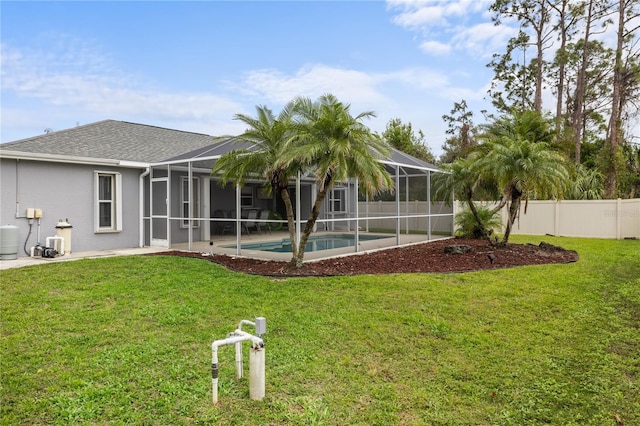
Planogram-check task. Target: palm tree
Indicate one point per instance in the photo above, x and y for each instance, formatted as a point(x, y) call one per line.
point(334, 146)
point(586, 184)
point(271, 136)
point(522, 168)
point(515, 161)
point(527, 125)
point(461, 180)
point(516, 156)
point(475, 224)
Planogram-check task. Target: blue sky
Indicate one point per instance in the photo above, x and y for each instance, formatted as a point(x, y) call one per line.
point(194, 65)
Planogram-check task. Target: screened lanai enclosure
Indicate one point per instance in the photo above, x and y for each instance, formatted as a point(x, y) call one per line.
point(185, 208)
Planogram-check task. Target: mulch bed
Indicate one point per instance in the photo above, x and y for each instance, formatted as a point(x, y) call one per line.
point(422, 258)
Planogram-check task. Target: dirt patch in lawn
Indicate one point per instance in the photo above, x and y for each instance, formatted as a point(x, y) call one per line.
point(450, 255)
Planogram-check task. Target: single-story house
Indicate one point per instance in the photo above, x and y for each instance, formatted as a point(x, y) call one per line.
point(124, 185)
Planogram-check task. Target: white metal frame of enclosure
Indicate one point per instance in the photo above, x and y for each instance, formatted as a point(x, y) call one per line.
point(356, 219)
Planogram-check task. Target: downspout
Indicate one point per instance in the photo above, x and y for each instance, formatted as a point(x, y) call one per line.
point(141, 205)
point(17, 189)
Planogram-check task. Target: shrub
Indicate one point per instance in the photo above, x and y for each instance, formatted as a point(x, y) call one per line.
point(467, 225)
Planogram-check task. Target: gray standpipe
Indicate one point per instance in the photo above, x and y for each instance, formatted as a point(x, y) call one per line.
point(256, 358)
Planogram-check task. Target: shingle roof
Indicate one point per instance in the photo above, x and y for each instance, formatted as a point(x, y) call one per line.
point(114, 140)
point(124, 141)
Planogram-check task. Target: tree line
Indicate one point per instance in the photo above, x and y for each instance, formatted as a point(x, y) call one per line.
point(559, 51)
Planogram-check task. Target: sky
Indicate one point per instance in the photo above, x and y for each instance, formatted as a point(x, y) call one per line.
point(193, 65)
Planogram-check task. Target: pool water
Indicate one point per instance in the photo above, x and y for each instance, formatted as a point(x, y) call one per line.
point(315, 243)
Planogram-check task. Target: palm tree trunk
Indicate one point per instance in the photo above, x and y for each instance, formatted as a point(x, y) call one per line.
point(284, 193)
point(315, 212)
point(514, 208)
point(474, 211)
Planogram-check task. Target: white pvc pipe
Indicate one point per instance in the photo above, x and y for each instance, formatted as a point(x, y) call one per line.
point(237, 337)
point(214, 372)
point(247, 322)
point(260, 325)
point(60, 239)
point(239, 372)
point(256, 373)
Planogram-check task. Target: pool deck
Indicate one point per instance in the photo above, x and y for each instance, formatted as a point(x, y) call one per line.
point(221, 246)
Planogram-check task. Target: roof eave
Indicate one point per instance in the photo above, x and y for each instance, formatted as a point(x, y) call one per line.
point(55, 158)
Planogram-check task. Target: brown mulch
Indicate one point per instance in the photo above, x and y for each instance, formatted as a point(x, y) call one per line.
point(424, 257)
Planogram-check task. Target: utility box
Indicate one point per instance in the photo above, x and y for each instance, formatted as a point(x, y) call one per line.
point(261, 326)
point(63, 229)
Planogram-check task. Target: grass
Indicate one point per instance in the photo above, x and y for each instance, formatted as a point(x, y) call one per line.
point(127, 340)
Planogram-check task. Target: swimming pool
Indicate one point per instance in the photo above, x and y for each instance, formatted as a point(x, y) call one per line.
point(315, 243)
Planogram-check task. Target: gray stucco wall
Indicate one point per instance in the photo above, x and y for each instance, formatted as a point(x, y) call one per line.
point(65, 191)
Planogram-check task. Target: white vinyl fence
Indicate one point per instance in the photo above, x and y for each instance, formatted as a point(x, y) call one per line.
point(613, 219)
point(415, 216)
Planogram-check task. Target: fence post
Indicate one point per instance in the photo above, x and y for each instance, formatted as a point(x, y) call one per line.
point(618, 218)
point(556, 218)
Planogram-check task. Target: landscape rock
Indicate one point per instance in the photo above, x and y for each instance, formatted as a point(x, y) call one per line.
point(457, 249)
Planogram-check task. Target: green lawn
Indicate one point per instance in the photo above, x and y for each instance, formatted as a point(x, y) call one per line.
point(127, 340)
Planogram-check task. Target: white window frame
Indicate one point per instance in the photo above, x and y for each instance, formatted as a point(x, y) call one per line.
point(115, 202)
point(338, 200)
point(184, 202)
point(247, 193)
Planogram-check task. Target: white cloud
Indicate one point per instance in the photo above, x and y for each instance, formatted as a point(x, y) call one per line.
point(312, 81)
point(421, 18)
point(441, 22)
point(414, 13)
point(84, 82)
point(435, 48)
point(483, 40)
point(418, 78)
point(420, 94)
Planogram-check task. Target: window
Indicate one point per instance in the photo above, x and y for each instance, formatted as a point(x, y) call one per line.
point(337, 200)
point(195, 201)
point(108, 202)
point(246, 196)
